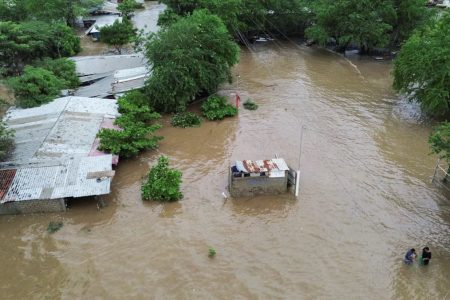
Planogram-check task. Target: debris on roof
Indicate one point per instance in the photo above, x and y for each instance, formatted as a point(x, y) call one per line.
point(119, 82)
point(257, 166)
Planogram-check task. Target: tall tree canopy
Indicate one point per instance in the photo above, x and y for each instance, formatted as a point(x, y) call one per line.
point(411, 14)
point(45, 10)
point(249, 16)
point(422, 68)
point(366, 23)
point(118, 34)
point(21, 43)
point(192, 56)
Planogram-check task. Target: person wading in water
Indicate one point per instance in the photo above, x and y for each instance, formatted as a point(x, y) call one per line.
point(426, 256)
point(410, 256)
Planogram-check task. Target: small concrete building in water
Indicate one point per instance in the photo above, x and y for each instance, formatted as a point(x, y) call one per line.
point(56, 155)
point(261, 177)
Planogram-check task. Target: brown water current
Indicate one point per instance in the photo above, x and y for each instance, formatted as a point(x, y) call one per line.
point(365, 198)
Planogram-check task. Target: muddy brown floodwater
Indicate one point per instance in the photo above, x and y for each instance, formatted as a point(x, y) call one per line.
point(365, 198)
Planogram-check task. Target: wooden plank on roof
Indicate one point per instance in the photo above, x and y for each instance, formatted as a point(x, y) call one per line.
point(101, 174)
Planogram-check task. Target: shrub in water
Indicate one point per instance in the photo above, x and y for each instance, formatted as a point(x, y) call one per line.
point(211, 252)
point(186, 119)
point(250, 105)
point(216, 108)
point(163, 183)
point(54, 226)
point(137, 132)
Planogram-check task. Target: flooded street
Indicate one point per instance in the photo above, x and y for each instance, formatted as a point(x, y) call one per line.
point(365, 198)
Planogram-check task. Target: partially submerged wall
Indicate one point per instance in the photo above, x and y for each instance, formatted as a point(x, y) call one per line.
point(33, 206)
point(261, 185)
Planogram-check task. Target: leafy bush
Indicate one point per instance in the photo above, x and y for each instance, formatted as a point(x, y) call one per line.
point(129, 141)
point(250, 105)
point(216, 108)
point(137, 132)
point(163, 183)
point(211, 252)
point(64, 69)
point(28, 41)
point(134, 108)
point(6, 141)
point(54, 226)
point(35, 87)
point(186, 119)
point(63, 40)
point(440, 141)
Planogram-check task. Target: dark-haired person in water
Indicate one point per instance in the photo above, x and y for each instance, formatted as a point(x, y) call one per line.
point(426, 256)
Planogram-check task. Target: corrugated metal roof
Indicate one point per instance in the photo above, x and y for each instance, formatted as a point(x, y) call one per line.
point(119, 82)
point(89, 65)
point(6, 177)
point(257, 166)
point(63, 128)
point(53, 143)
point(67, 179)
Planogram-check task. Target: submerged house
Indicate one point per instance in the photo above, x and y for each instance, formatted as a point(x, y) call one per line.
point(110, 75)
point(95, 23)
point(56, 157)
point(251, 178)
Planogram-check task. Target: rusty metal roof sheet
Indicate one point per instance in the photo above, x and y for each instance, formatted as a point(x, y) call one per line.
point(258, 166)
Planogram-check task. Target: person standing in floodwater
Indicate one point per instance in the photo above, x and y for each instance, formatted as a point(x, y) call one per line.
point(426, 256)
point(410, 256)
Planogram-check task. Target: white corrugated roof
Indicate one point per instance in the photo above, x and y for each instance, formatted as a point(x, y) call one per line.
point(119, 82)
point(52, 147)
point(89, 65)
point(62, 180)
point(65, 127)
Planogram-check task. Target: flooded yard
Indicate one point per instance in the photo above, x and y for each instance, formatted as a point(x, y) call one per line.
point(365, 198)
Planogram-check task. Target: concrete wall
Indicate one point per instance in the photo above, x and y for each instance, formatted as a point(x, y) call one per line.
point(33, 206)
point(252, 186)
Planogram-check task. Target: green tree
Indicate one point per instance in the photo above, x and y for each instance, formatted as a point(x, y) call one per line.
point(35, 87)
point(127, 7)
point(422, 68)
point(411, 14)
point(6, 141)
point(22, 43)
point(64, 69)
point(118, 34)
point(59, 10)
point(193, 56)
point(63, 41)
point(440, 141)
point(137, 127)
point(163, 183)
point(217, 108)
point(366, 23)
